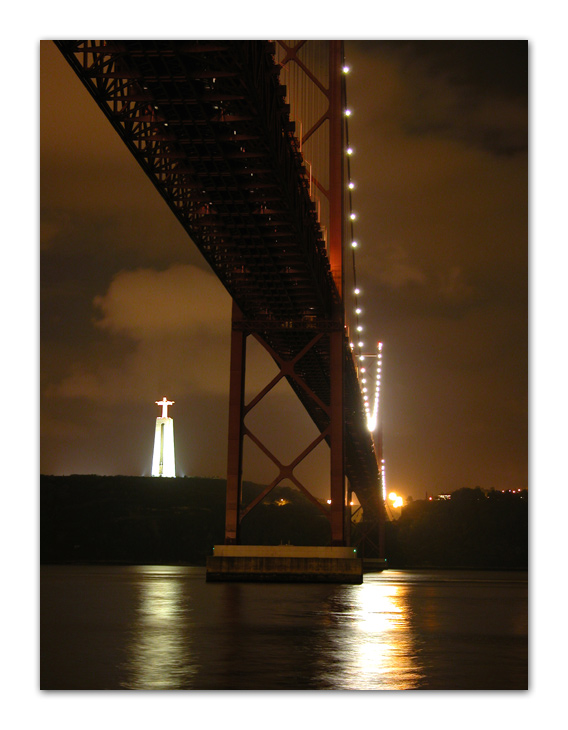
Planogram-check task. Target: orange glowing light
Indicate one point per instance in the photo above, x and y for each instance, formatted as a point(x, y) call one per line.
point(396, 500)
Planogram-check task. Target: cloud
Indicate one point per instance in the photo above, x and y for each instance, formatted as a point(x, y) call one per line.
point(469, 92)
point(453, 286)
point(440, 197)
point(178, 324)
point(163, 332)
point(396, 271)
point(145, 303)
point(178, 366)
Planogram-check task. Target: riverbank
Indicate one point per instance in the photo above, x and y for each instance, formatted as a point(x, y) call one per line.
point(89, 519)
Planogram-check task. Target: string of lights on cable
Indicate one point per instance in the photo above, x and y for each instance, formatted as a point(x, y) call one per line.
point(358, 343)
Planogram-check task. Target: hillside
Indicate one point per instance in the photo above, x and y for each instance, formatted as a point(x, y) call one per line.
point(88, 518)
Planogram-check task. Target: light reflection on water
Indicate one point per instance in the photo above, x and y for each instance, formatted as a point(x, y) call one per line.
point(382, 653)
point(159, 648)
point(164, 627)
point(366, 642)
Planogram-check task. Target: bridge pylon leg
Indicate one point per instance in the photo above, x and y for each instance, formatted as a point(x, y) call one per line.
point(336, 512)
point(337, 451)
point(336, 194)
point(236, 432)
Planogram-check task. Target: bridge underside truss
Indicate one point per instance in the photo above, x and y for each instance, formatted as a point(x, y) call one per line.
point(208, 123)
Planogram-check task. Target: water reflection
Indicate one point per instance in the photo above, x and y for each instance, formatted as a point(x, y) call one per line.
point(351, 637)
point(376, 648)
point(159, 649)
point(111, 627)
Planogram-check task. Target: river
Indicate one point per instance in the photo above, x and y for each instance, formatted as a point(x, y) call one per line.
point(165, 628)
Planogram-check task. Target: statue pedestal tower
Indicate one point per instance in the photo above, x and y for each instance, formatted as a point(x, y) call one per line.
point(164, 463)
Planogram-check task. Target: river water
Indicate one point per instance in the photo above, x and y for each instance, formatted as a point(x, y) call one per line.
point(164, 627)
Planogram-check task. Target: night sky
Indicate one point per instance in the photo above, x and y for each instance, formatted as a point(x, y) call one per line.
point(130, 311)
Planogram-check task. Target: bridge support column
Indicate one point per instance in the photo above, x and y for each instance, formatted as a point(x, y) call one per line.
point(337, 451)
point(336, 154)
point(236, 431)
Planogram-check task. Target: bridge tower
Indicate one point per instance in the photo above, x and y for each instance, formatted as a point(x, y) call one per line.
point(329, 182)
point(252, 166)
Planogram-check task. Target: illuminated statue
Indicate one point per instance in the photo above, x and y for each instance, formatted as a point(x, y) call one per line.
point(164, 403)
point(163, 463)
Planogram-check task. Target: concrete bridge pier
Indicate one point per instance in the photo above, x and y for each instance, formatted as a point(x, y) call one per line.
point(284, 564)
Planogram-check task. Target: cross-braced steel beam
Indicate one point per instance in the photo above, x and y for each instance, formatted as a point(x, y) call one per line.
point(289, 369)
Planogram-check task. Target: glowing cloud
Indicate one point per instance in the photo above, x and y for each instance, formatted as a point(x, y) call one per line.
point(145, 302)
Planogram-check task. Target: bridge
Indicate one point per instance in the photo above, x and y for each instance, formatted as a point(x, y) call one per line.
point(211, 124)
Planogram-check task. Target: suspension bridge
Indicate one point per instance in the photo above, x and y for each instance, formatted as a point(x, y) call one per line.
point(247, 142)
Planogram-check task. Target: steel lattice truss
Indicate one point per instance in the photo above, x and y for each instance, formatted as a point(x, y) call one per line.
point(207, 122)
